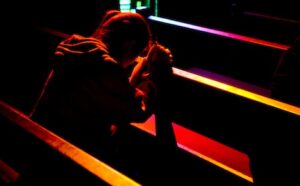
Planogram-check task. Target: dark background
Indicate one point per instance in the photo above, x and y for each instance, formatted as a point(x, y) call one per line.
point(26, 50)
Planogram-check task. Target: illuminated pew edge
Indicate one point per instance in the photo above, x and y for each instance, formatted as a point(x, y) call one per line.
point(220, 33)
point(80, 157)
point(237, 91)
point(192, 147)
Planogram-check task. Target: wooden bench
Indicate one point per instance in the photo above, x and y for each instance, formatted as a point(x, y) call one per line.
point(263, 128)
point(249, 59)
point(41, 157)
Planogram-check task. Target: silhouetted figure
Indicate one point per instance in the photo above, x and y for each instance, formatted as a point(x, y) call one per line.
point(285, 85)
point(92, 94)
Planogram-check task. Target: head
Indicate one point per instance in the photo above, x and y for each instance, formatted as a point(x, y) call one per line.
point(125, 34)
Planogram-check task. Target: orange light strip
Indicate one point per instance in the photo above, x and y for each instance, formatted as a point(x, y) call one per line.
point(85, 160)
point(220, 33)
point(205, 148)
point(148, 126)
point(214, 152)
point(237, 91)
point(219, 164)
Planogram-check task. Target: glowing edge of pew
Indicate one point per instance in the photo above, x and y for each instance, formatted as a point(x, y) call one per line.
point(85, 160)
point(149, 126)
point(220, 33)
point(237, 91)
point(205, 148)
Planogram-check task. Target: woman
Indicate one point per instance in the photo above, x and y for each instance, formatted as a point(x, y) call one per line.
point(90, 95)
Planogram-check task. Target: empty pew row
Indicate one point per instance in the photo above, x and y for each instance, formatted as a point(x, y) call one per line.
point(214, 152)
point(266, 130)
point(270, 26)
point(32, 155)
point(241, 57)
point(276, 21)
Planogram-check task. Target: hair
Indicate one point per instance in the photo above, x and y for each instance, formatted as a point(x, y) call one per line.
point(117, 27)
point(108, 14)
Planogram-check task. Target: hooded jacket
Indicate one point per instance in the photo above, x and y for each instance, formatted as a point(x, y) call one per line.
point(89, 92)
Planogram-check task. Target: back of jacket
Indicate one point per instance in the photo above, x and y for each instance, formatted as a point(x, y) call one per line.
point(88, 93)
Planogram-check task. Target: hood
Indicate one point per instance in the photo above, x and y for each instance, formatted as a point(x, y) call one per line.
point(82, 49)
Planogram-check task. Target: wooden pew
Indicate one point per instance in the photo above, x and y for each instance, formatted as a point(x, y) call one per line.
point(277, 21)
point(249, 59)
point(41, 157)
point(263, 128)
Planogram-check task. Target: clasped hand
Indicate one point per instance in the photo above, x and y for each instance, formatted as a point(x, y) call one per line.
point(158, 60)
